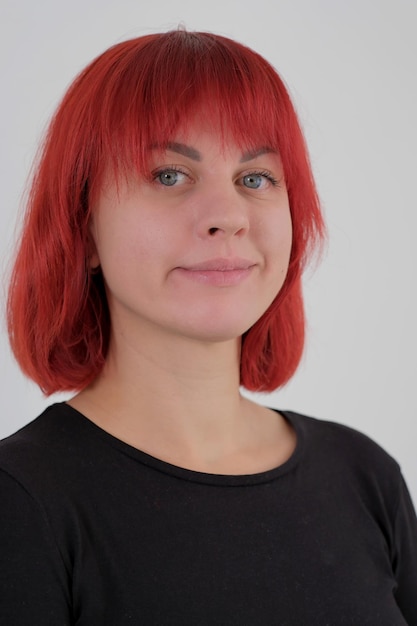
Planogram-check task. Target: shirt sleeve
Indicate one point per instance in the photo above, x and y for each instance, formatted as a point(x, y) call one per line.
point(405, 557)
point(33, 581)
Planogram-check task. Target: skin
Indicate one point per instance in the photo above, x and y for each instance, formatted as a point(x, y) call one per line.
point(192, 257)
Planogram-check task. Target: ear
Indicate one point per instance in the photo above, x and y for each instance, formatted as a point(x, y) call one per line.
point(93, 259)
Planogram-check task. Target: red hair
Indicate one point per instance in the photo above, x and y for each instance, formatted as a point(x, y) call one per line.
point(132, 96)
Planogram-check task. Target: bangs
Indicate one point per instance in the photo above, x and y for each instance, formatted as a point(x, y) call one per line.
point(152, 88)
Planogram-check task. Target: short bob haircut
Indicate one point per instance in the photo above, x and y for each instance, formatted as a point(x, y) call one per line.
point(134, 95)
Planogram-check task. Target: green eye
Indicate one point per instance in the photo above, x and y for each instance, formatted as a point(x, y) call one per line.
point(253, 181)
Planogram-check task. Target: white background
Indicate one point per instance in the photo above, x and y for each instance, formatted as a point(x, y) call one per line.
point(351, 68)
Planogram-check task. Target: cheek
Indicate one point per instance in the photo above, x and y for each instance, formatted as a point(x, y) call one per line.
point(135, 251)
point(285, 231)
point(118, 235)
point(277, 235)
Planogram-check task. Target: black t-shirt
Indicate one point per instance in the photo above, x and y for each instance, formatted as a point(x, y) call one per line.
point(94, 532)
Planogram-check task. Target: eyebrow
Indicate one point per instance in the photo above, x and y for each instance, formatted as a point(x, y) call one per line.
point(183, 149)
point(195, 155)
point(252, 154)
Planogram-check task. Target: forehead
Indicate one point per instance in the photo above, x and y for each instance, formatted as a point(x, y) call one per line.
point(193, 153)
point(198, 134)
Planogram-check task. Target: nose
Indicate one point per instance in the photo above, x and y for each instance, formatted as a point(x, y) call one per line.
point(223, 214)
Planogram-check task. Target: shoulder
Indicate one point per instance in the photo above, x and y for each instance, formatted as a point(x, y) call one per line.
point(53, 428)
point(346, 456)
point(51, 448)
point(330, 437)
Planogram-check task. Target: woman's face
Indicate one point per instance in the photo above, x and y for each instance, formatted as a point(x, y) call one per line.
point(201, 248)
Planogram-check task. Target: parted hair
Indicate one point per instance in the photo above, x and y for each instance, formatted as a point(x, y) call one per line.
point(134, 95)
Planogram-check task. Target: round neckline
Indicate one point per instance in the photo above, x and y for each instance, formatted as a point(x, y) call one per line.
point(192, 475)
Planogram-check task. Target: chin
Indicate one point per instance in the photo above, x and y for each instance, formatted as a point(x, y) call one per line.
point(216, 330)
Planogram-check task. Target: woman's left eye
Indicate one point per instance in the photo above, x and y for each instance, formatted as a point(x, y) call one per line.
point(258, 180)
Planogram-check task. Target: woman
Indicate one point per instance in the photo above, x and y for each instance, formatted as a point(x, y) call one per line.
point(170, 218)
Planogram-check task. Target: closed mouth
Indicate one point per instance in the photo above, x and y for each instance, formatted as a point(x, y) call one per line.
point(221, 265)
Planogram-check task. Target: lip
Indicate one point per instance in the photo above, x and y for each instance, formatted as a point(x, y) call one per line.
point(219, 272)
point(220, 264)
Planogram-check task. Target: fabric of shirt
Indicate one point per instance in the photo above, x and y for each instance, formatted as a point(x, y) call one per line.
point(94, 532)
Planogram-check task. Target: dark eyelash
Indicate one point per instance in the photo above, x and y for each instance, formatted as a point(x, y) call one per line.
point(175, 168)
point(274, 181)
point(167, 168)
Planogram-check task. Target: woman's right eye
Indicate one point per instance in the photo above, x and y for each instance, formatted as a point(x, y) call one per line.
point(169, 177)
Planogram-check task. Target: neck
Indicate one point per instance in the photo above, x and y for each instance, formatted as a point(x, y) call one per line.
point(187, 390)
point(183, 378)
point(179, 401)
